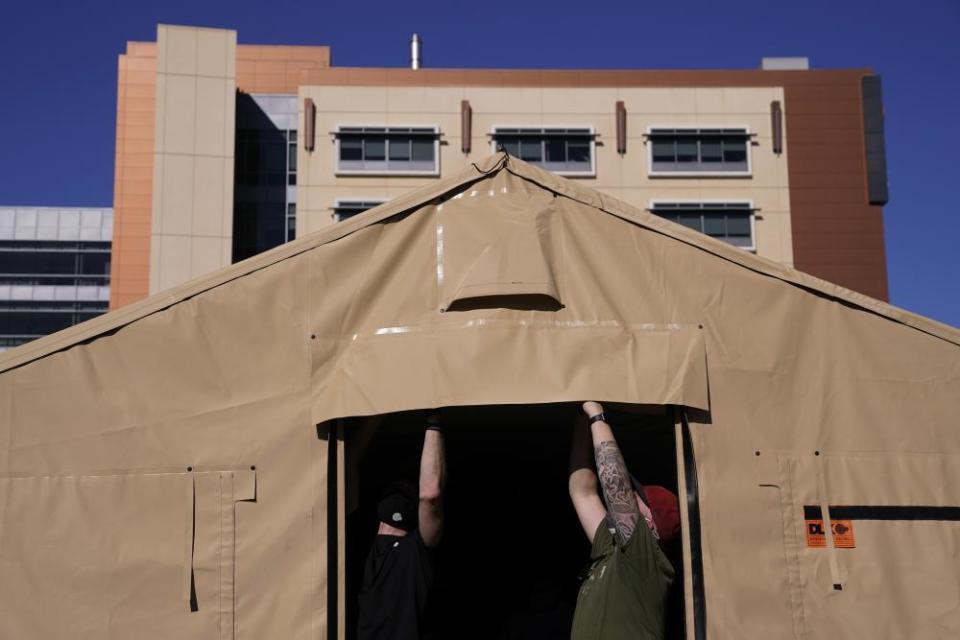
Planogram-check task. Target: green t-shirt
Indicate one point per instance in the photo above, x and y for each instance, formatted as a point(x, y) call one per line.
point(624, 593)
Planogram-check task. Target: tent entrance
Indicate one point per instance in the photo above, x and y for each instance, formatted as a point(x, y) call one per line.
point(513, 550)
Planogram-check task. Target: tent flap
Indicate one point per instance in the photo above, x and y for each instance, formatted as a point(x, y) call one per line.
point(481, 255)
point(516, 361)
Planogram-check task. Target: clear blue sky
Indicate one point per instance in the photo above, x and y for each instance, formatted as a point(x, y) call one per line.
point(58, 81)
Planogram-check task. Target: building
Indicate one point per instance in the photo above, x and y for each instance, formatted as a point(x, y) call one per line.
point(225, 150)
point(54, 269)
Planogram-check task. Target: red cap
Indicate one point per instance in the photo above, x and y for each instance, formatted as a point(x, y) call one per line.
point(665, 507)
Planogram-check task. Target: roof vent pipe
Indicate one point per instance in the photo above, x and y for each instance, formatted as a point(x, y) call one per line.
point(415, 52)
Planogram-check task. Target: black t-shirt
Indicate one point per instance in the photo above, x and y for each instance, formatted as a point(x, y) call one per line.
point(396, 583)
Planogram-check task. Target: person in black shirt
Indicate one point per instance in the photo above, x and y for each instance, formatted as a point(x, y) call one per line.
point(399, 571)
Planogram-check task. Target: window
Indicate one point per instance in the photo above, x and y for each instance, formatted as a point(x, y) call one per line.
point(348, 208)
point(411, 150)
point(567, 151)
point(731, 222)
point(49, 285)
point(291, 157)
point(265, 178)
point(291, 221)
point(54, 262)
point(699, 151)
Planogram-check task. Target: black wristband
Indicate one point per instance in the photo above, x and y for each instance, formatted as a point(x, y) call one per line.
point(433, 422)
point(598, 418)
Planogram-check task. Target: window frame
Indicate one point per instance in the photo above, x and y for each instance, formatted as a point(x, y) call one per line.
point(340, 203)
point(339, 132)
point(747, 206)
point(592, 173)
point(654, 173)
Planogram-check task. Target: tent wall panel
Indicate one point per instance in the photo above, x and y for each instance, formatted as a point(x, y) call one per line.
point(238, 369)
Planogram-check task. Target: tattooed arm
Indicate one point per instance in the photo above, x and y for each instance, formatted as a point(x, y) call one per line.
point(582, 482)
point(614, 479)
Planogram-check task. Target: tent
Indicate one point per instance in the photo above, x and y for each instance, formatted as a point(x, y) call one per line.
point(177, 468)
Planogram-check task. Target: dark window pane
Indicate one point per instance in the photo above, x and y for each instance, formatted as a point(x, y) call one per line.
point(578, 150)
point(734, 150)
point(292, 157)
point(556, 149)
point(510, 145)
point(714, 224)
point(40, 262)
point(671, 216)
point(710, 149)
point(738, 224)
point(686, 150)
point(34, 323)
point(691, 220)
point(664, 150)
point(351, 148)
point(400, 149)
point(531, 149)
point(422, 150)
point(374, 149)
point(292, 135)
point(95, 263)
point(292, 179)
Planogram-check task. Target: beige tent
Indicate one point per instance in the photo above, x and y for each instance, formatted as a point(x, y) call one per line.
point(177, 468)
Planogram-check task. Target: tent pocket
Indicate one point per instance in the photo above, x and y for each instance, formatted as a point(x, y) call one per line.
point(871, 532)
point(209, 576)
point(103, 556)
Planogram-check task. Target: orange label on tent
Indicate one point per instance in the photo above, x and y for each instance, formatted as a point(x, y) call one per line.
point(842, 534)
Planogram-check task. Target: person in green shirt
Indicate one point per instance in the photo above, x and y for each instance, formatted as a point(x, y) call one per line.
point(623, 595)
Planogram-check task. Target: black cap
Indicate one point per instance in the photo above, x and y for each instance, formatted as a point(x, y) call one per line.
point(398, 505)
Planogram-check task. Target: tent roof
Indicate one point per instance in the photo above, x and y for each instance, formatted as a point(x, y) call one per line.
point(472, 173)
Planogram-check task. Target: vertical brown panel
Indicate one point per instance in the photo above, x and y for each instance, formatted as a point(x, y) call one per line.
point(466, 125)
point(309, 124)
point(621, 128)
point(133, 175)
point(837, 234)
point(776, 117)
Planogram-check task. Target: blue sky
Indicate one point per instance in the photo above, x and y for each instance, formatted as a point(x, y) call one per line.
point(58, 81)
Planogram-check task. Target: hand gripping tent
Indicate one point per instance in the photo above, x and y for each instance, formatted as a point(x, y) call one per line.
point(163, 468)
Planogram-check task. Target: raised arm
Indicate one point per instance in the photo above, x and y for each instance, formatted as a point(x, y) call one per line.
point(614, 479)
point(582, 482)
point(430, 514)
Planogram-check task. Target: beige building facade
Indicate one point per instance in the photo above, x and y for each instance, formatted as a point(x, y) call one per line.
point(225, 150)
point(629, 176)
point(192, 221)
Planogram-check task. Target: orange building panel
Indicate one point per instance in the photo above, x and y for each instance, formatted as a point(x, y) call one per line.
point(133, 183)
